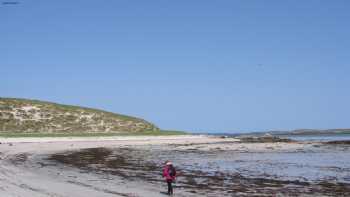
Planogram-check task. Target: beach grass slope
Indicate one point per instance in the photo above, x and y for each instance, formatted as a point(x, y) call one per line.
point(24, 117)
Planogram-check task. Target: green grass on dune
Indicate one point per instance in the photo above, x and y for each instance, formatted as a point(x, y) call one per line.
point(80, 134)
point(64, 107)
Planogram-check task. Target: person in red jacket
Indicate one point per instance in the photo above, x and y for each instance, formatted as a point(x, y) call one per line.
point(169, 173)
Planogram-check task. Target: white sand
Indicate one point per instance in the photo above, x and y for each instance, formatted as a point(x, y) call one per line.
point(31, 179)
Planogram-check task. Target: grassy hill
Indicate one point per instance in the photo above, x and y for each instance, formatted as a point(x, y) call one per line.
point(32, 116)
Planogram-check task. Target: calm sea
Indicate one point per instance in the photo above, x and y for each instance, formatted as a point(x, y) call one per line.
point(316, 163)
point(322, 138)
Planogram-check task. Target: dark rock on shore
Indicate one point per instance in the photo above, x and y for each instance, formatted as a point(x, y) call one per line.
point(263, 139)
point(342, 142)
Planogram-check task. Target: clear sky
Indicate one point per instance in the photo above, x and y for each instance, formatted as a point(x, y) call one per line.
point(198, 65)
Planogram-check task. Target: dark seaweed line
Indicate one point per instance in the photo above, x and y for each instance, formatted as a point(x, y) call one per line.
point(127, 163)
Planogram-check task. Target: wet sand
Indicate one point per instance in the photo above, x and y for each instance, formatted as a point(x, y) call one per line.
point(131, 166)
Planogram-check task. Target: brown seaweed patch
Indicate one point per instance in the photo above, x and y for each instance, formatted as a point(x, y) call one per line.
point(18, 158)
point(133, 164)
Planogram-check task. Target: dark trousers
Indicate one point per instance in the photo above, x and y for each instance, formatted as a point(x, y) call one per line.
point(170, 186)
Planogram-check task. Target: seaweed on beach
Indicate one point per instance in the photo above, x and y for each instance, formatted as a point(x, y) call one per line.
point(132, 164)
point(18, 158)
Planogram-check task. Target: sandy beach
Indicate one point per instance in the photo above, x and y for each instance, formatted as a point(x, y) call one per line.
point(131, 166)
point(20, 175)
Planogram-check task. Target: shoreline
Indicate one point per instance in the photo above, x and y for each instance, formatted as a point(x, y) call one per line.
point(128, 166)
point(22, 174)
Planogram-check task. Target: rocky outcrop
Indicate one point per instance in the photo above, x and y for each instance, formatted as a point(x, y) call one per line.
point(339, 142)
point(263, 139)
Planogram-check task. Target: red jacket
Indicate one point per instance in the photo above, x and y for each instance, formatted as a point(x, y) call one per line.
point(166, 173)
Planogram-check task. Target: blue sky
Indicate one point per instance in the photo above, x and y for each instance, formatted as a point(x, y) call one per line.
point(189, 65)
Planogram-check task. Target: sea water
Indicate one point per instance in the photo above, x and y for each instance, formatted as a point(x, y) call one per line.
point(320, 163)
point(321, 138)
